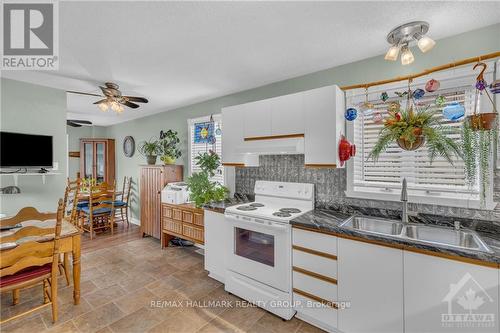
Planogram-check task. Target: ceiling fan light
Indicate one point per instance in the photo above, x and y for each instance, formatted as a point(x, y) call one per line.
point(103, 106)
point(115, 106)
point(407, 57)
point(425, 43)
point(392, 53)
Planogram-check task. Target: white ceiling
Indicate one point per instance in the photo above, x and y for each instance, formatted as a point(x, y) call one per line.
point(179, 53)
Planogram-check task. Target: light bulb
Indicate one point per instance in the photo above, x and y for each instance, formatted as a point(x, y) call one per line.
point(425, 43)
point(407, 57)
point(115, 106)
point(103, 106)
point(392, 54)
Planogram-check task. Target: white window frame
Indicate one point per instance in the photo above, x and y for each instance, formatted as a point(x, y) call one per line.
point(191, 122)
point(460, 76)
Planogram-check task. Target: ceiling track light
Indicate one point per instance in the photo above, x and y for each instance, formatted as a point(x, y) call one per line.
point(401, 37)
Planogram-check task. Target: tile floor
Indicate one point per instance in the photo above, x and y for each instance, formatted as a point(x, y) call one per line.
point(119, 284)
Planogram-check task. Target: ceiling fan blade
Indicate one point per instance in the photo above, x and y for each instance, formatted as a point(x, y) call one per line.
point(85, 122)
point(82, 93)
point(72, 124)
point(129, 104)
point(136, 99)
point(101, 101)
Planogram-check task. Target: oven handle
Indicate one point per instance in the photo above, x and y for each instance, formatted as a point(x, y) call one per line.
point(257, 222)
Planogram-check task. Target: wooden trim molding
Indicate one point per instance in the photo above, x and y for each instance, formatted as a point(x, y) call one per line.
point(321, 166)
point(316, 298)
point(314, 252)
point(273, 137)
point(314, 275)
point(241, 165)
point(408, 248)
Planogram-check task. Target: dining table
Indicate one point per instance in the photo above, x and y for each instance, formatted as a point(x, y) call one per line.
point(70, 242)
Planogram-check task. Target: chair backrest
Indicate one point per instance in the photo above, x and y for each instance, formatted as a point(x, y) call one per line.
point(127, 185)
point(102, 201)
point(35, 246)
point(71, 199)
point(26, 214)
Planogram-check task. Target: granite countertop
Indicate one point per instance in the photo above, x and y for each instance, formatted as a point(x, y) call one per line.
point(329, 220)
point(220, 206)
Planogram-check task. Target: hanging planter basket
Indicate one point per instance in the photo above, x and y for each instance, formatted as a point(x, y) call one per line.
point(407, 145)
point(482, 121)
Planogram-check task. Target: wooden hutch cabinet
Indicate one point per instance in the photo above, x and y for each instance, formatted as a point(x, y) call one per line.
point(153, 180)
point(184, 221)
point(97, 159)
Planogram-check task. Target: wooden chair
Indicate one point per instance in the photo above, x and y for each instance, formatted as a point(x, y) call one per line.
point(71, 215)
point(100, 212)
point(26, 214)
point(121, 204)
point(33, 259)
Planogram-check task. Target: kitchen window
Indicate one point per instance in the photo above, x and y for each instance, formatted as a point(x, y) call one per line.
point(439, 182)
point(196, 148)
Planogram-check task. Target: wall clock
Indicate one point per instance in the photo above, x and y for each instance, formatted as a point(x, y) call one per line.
point(128, 146)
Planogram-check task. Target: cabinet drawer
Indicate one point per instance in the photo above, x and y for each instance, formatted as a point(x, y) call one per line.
point(187, 216)
point(317, 311)
point(198, 219)
point(193, 232)
point(314, 263)
point(314, 286)
point(166, 211)
point(315, 241)
point(177, 214)
point(172, 225)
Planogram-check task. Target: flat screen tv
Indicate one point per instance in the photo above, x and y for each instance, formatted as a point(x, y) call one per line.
point(19, 150)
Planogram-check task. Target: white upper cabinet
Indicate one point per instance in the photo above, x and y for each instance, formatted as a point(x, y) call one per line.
point(257, 117)
point(287, 113)
point(316, 114)
point(232, 136)
point(324, 122)
point(443, 295)
point(370, 278)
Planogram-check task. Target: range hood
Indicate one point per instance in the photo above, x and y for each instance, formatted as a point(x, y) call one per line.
point(274, 146)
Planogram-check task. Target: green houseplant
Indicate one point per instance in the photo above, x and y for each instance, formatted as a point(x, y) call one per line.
point(411, 129)
point(202, 189)
point(169, 145)
point(150, 149)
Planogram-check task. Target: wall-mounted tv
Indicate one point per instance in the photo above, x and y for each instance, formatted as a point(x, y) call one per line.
point(19, 150)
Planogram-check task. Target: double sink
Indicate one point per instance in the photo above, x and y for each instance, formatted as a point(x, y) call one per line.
point(440, 236)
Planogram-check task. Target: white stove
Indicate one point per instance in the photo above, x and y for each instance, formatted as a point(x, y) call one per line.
point(259, 267)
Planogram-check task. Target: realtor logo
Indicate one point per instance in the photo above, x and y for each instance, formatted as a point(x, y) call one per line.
point(468, 305)
point(30, 38)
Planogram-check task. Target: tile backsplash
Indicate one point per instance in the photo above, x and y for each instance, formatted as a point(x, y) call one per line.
point(330, 185)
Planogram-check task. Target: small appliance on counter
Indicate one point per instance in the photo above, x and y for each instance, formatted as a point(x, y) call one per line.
point(175, 193)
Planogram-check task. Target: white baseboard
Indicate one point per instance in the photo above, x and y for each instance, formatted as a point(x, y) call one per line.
point(135, 221)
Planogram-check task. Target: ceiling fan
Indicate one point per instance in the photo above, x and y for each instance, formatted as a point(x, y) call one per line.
point(78, 123)
point(113, 98)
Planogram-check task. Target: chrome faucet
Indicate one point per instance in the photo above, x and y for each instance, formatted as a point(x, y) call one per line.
point(404, 201)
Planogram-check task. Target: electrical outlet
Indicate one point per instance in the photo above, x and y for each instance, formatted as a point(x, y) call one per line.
point(55, 166)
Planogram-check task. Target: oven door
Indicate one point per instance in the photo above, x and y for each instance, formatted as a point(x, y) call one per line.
point(260, 250)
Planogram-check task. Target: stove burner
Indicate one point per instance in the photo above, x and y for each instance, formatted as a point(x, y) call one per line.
point(256, 204)
point(282, 214)
point(246, 208)
point(290, 210)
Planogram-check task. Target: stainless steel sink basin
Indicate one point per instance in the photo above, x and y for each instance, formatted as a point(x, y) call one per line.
point(441, 236)
point(449, 237)
point(373, 225)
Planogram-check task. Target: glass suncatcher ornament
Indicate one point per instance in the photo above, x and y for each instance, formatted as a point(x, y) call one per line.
point(203, 131)
point(366, 107)
point(351, 114)
point(454, 111)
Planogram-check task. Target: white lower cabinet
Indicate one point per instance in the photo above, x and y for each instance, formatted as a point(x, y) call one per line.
point(370, 278)
point(215, 244)
point(443, 295)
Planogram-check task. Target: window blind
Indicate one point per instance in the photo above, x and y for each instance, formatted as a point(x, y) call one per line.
point(200, 148)
point(395, 164)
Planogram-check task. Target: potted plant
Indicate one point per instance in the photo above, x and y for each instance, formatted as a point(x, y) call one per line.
point(150, 149)
point(202, 189)
point(411, 129)
point(170, 151)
